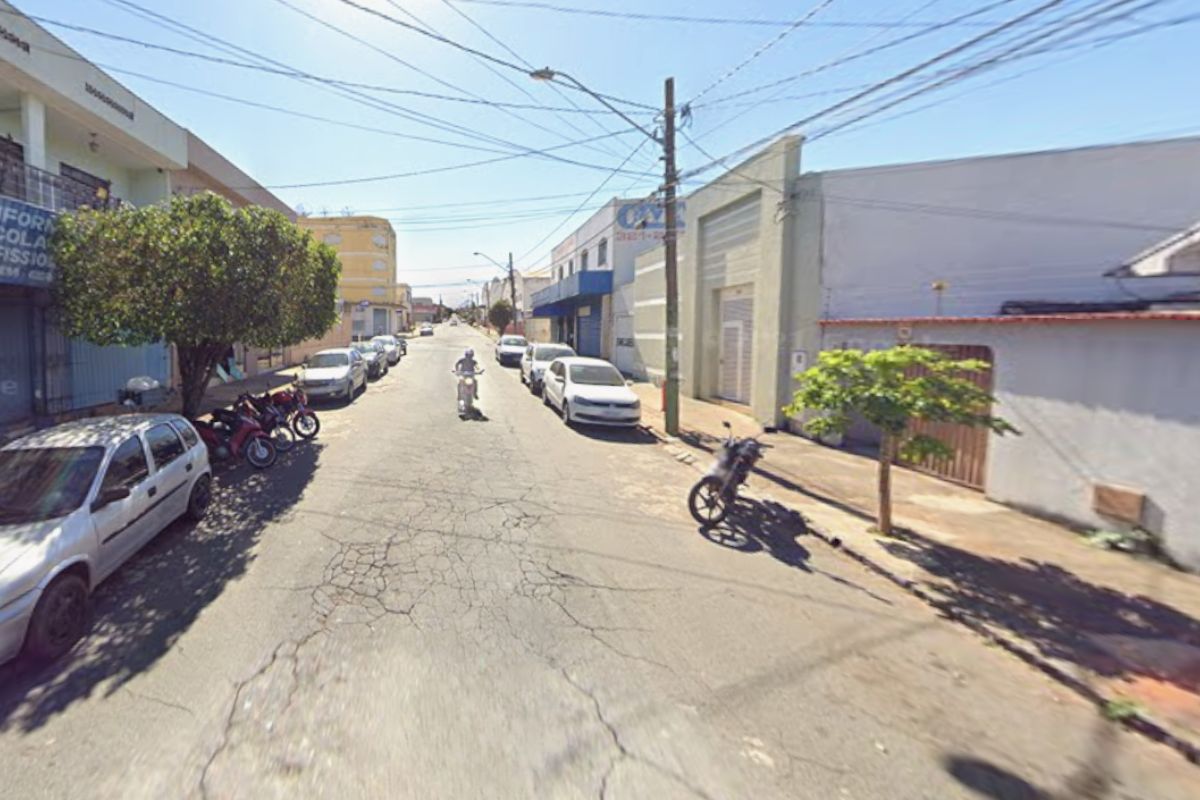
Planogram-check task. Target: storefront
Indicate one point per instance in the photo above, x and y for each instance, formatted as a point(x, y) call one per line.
point(576, 308)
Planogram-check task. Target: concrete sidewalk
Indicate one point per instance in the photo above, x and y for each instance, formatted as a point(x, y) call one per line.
point(220, 395)
point(1115, 627)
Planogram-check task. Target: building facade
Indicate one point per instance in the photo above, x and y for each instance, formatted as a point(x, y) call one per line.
point(424, 310)
point(589, 301)
point(368, 286)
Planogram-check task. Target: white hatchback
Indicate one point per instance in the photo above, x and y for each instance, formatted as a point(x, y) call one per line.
point(590, 390)
point(77, 501)
point(535, 360)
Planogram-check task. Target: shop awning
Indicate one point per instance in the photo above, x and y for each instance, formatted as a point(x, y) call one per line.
point(559, 298)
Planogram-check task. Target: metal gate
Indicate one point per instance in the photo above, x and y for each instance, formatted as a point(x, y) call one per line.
point(736, 348)
point(968, 465)
point(589, 327)
point(16, 366)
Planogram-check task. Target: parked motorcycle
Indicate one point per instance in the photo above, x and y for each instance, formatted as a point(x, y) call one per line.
point(466, 393)
point(714, 495)
point(232, 434)
point(294, 404)
point(273, 420)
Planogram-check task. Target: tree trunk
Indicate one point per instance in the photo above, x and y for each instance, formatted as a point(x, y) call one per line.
point(196, 366)
point(887, 445)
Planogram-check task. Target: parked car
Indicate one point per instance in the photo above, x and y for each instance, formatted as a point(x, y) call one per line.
point(590, 390)
point(338, 372)
point(536, 358)
point(510, 349)
point(391, 347)
point(454, 322)
point(76, 502)
point(427, 329)
point(375, 356)
point(402, 343)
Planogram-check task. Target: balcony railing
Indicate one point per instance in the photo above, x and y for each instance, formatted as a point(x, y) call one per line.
point(54, 192)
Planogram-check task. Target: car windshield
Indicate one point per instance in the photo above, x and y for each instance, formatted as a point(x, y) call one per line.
point(384, 340)
point(596, 375)
point(551, 353)
point(365, 347)
point(512, 341)
point(328, 360)
point(44, 483)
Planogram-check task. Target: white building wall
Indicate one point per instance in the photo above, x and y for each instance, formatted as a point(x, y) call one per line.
point(1028, 226)
point(1097, 403)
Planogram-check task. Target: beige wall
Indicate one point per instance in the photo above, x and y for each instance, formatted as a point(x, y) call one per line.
point(338, 336)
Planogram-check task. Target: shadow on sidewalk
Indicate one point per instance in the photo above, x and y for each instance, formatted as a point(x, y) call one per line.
point(754, 527)
point(1064, 617)
point(147, 604)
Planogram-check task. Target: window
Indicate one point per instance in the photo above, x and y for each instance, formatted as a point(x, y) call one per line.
point(379, 240)
point(583, 261)
point(185, 430)
point(378, 265)
point(602, 253)
point(571, 266)
point(379, 291)
point(82, 187)
point(128, 466)
point(333, 238)
point(165, 446)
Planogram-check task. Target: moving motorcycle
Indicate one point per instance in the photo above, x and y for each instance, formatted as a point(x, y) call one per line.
point(714, 495)
point(466, 393)
point(273, 420)
point(233, 434)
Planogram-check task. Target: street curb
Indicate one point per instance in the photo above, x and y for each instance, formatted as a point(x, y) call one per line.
point(1138, 721)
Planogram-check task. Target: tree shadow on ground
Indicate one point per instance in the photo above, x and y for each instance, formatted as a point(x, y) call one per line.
point(148, 603)
point(755, 526)
point(1063, 616)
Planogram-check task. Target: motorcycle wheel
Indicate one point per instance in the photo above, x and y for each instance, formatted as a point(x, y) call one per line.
point(283, 438)
point(706, 502)
point(306, 425)
point(260, 452)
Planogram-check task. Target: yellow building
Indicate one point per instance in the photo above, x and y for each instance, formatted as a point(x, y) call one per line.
point(367, 248)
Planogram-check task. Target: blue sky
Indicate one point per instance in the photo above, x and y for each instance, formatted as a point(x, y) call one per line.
point(1130, 89)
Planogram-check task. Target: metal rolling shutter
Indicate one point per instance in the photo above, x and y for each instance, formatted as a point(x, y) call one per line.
point(736, 344)
point(729, 242)
point(590, 331)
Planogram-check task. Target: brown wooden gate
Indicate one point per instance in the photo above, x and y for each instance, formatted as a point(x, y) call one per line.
point(968, 465)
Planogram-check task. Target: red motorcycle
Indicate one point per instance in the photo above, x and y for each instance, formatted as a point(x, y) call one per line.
point(233, 434)
point(271, 417)
point(294, 405)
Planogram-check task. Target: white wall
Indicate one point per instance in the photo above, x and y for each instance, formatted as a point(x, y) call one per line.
point(1096, 402)
point(1032, 226)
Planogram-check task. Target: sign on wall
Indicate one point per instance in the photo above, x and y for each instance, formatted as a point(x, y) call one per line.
point(24, 231)
point(647, 220)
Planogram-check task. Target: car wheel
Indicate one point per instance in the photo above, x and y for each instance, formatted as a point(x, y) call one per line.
point(60, 618)
point(200, 498)
point(566, 413)
point(351, 391)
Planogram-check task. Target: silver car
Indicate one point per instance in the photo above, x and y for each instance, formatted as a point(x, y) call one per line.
point(391, 347)
point(339, 372)
point(76, 502)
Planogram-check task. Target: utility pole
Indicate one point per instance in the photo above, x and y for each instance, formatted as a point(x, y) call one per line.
point(512, 289)
point(672, 263)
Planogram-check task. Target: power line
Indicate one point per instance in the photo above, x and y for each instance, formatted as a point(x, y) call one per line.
point(883, 84)
point(697, 20)
point(779, 37)
point(493, 201)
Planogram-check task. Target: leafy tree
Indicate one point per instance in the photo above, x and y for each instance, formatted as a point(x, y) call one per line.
point(892, 389)
point(194, 272)
point(500, 315)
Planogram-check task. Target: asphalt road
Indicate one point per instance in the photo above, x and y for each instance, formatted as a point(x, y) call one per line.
point(415, 606)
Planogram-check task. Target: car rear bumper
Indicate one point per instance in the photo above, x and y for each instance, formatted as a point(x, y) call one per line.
point(14, 622)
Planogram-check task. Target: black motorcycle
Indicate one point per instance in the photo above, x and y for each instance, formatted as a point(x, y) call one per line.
point(711, 499)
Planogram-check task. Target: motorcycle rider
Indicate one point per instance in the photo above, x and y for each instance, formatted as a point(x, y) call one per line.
point(468, 366)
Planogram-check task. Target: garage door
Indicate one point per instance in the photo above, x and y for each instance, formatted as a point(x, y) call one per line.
point(736, 344)
point(590, 324)
point(729, 246)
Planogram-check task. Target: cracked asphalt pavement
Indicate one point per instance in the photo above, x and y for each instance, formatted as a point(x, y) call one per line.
point(418, 606)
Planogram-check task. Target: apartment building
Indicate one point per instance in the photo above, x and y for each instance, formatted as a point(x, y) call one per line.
point(368, 286)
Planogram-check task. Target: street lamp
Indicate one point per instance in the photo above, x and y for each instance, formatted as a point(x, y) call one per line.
point(671, 412)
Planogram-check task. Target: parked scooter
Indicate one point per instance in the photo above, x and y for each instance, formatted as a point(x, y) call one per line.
point(232, 434)
point(466, 393)
point(714, 495)
point(272, 419)
point(294, 404)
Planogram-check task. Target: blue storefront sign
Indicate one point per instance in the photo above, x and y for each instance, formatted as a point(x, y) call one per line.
point(647, 220)
point(24, 233)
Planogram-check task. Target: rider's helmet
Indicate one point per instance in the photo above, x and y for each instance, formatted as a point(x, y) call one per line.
point(469, 354)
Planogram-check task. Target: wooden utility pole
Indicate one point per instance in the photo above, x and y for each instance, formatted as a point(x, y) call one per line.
point(672, 264)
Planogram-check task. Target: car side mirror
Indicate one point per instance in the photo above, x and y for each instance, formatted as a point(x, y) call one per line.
point(109, 496)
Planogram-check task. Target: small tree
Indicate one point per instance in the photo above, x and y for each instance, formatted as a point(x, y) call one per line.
point(892, 389)
point(196, 273)
point(500, 315)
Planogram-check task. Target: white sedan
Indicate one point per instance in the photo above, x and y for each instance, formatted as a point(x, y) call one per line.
point(535, 360)
point(590, 390)
point(510, 349)
point(76, 502)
